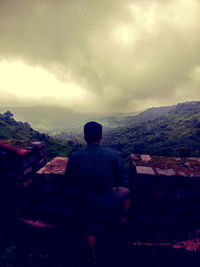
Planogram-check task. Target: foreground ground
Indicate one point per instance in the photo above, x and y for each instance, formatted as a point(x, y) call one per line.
point(25, 245)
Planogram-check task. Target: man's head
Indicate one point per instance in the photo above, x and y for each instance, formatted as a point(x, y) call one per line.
point(93, 132)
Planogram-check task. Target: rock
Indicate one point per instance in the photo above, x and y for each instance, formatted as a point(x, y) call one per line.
point(145, 170)
point(145, 158)
point(166, 172)
point(55, 166)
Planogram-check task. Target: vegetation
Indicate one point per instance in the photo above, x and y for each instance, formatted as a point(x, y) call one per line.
point(19, 131)
point(149, 114)
point(176, 133)
point(8, 257)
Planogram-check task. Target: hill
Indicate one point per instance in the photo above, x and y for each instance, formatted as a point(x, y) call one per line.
point(167, 131)
point(149, 114)
point(65, 123)
point(19, 132)
point(176, 133)
point(45, 118)
point(56, 120)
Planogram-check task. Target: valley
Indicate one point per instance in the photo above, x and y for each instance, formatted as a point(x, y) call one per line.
point(167, 131)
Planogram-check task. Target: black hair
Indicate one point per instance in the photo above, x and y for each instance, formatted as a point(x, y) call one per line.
point(92, 131)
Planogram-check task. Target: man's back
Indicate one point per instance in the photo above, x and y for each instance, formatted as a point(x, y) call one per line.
point(95, 169)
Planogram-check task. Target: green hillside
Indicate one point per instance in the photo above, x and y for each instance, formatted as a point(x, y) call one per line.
point(149, 114)
point(177, 133)
point(19, 131)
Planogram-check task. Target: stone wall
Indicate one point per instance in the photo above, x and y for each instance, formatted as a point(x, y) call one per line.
point(165, 190)
point(17, 172)
point(51, 190)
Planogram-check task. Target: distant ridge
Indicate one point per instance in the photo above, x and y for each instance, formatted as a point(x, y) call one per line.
point(149, 114)
point(54, 120)
point(175, 133)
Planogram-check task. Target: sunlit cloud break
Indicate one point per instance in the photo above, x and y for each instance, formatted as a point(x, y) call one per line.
point(35, 82)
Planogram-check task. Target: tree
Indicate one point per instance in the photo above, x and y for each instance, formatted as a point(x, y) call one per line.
point(8, 114)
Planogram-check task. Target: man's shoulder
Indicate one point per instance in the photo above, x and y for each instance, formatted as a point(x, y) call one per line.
point(109, 151)
point(101, 151)
point(77, 153)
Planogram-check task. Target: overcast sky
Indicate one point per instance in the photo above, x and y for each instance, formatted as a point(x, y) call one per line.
point(99, 55)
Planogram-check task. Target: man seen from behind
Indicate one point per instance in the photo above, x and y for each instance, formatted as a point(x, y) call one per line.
point(95, 172)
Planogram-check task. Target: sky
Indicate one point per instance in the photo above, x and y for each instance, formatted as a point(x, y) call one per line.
point(99, 56)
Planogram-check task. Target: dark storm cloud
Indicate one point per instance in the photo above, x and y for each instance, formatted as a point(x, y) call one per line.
point(126, 54)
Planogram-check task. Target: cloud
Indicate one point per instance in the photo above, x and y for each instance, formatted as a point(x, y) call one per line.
point(125, 54)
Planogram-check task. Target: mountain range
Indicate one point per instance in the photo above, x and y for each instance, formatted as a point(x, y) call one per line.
point(175, 133)
point(169, 131)
point(55, 120)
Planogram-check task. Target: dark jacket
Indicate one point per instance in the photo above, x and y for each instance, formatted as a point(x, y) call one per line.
point(95, 170)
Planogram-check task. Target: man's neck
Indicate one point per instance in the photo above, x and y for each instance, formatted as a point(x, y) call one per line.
point(94, 143)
